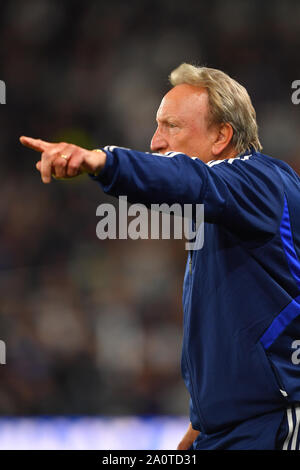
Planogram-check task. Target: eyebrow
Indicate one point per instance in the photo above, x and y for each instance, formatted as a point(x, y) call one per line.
point(168, 118)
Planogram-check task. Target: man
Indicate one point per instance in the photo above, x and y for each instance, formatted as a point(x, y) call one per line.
point(241, 293)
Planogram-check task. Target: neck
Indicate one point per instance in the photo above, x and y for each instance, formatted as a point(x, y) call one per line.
point(227, 153)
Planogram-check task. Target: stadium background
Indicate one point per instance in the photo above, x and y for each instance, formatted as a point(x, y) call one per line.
point(93, 328)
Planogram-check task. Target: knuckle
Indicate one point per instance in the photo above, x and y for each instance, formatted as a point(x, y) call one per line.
point(73, 165)
point(46, 155)
point(66, 145)
point(60, 162)
point(72, 147)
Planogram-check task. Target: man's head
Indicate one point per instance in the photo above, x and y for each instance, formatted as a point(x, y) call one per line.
point(206, 114)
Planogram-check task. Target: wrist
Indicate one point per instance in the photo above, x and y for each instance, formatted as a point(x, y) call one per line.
point(101, 163)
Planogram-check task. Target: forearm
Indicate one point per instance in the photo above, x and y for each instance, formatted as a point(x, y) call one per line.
point(151, 178)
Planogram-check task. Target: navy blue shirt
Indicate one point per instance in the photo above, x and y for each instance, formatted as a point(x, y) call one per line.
point(241, 291)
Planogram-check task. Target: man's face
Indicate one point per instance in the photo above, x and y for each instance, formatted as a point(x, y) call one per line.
point(182, 123)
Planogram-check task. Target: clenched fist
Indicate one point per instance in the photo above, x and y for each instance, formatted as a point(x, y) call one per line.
point(63, 160)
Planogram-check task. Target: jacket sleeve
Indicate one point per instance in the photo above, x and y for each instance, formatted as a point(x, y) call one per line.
point(244, 196)
point(152, 178)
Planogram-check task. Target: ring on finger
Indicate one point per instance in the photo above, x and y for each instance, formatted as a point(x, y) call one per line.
point(64, 156)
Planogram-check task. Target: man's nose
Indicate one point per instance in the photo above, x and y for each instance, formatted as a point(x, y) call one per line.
point(158, 143)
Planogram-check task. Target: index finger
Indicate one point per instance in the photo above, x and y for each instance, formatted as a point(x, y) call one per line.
point(35, 144)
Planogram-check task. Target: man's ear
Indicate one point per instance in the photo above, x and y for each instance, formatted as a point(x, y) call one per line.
point(223, 140)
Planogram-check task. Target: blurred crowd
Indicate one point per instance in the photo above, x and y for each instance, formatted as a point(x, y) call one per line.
point(90, 326)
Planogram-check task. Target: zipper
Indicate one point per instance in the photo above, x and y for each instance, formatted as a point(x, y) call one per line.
point(187, 358)
point(190, 262)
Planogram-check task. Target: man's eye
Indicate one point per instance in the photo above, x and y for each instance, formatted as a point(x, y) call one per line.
point(171, 125)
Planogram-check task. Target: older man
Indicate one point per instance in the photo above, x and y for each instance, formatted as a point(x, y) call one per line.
point(241, 293)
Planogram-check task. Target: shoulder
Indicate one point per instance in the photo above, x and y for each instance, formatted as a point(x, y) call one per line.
point(229, 161)
point(252, 174)
point(250, 165)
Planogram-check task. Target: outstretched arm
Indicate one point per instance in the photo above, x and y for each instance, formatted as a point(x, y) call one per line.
point(244, 195)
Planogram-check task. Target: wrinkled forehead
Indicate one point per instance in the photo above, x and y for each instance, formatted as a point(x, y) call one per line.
point(184, 101)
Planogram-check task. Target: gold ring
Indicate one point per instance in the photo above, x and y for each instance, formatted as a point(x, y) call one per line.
point(64, 156)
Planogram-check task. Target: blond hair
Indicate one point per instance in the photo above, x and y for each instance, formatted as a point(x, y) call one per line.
point(229, 102)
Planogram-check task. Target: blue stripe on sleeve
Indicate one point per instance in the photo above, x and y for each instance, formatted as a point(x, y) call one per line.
point(278, 325)
point(288, 244)
point(289, 313)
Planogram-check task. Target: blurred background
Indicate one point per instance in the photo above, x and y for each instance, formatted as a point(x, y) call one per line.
point(94, 328)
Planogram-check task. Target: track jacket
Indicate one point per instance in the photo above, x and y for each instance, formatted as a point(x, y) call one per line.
point(241, 291)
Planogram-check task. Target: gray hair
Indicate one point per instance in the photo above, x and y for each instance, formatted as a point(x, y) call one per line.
point(229, 102)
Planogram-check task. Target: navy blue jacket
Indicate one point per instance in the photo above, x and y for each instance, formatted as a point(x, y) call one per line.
point(241, 292)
